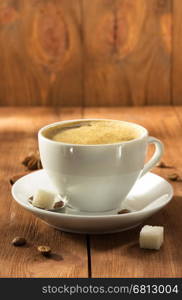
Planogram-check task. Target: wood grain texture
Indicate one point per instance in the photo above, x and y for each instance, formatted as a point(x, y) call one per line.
point(40, 52)
point(89, 53)
point(128, 51)
point(176, 55)
point(18, 137)
point(119, 255)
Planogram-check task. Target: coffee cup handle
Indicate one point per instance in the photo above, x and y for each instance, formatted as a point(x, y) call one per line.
point(159, 149)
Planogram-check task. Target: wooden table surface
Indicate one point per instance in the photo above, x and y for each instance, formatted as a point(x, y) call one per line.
point(113, 255)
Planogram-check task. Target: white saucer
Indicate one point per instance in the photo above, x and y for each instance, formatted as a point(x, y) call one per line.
point(149, 195)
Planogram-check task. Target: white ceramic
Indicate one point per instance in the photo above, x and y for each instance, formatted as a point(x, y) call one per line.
point(149, 195)
point(97, 178)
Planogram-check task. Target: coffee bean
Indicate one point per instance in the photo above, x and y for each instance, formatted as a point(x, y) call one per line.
point(18, 241)
point(123, 211)
point(173, 177)
point(14, 178)
point(30, 199)
point(58, 204)
point(44, 250)
point(162, 164)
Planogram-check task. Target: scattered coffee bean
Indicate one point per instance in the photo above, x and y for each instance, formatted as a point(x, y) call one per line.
point(58, 204)
point(32, 161)
point(162, 164)
point(44, 250)
point(173, 177)
point(14, 178)
point(30, 199)
point(123, 211)
point(18, 241)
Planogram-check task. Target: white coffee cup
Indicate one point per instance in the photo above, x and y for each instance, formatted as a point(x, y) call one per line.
point(97, 178)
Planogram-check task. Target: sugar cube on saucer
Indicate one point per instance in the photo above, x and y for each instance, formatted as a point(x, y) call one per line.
point(43, 199)
point(151, 237)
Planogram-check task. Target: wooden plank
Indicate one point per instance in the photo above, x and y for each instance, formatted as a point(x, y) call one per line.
point(40, 52)
point(119, 255)
point(176, 54)
point(18, 134)
point(68, 113)
point(127, 48)
point(178, 110)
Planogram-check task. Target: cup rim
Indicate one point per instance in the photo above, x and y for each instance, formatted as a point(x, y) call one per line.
point(40, 133)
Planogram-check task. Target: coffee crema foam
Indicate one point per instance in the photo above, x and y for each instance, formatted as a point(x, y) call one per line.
point(92, 132)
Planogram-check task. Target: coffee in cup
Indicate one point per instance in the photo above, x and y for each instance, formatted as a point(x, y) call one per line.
point(94, 163)
point(92, 132)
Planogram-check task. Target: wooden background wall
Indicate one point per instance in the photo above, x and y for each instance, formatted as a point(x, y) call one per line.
point(90, 52)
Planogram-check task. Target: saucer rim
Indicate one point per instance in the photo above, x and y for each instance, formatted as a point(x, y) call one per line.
point(65, 215)
point(92, 232)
